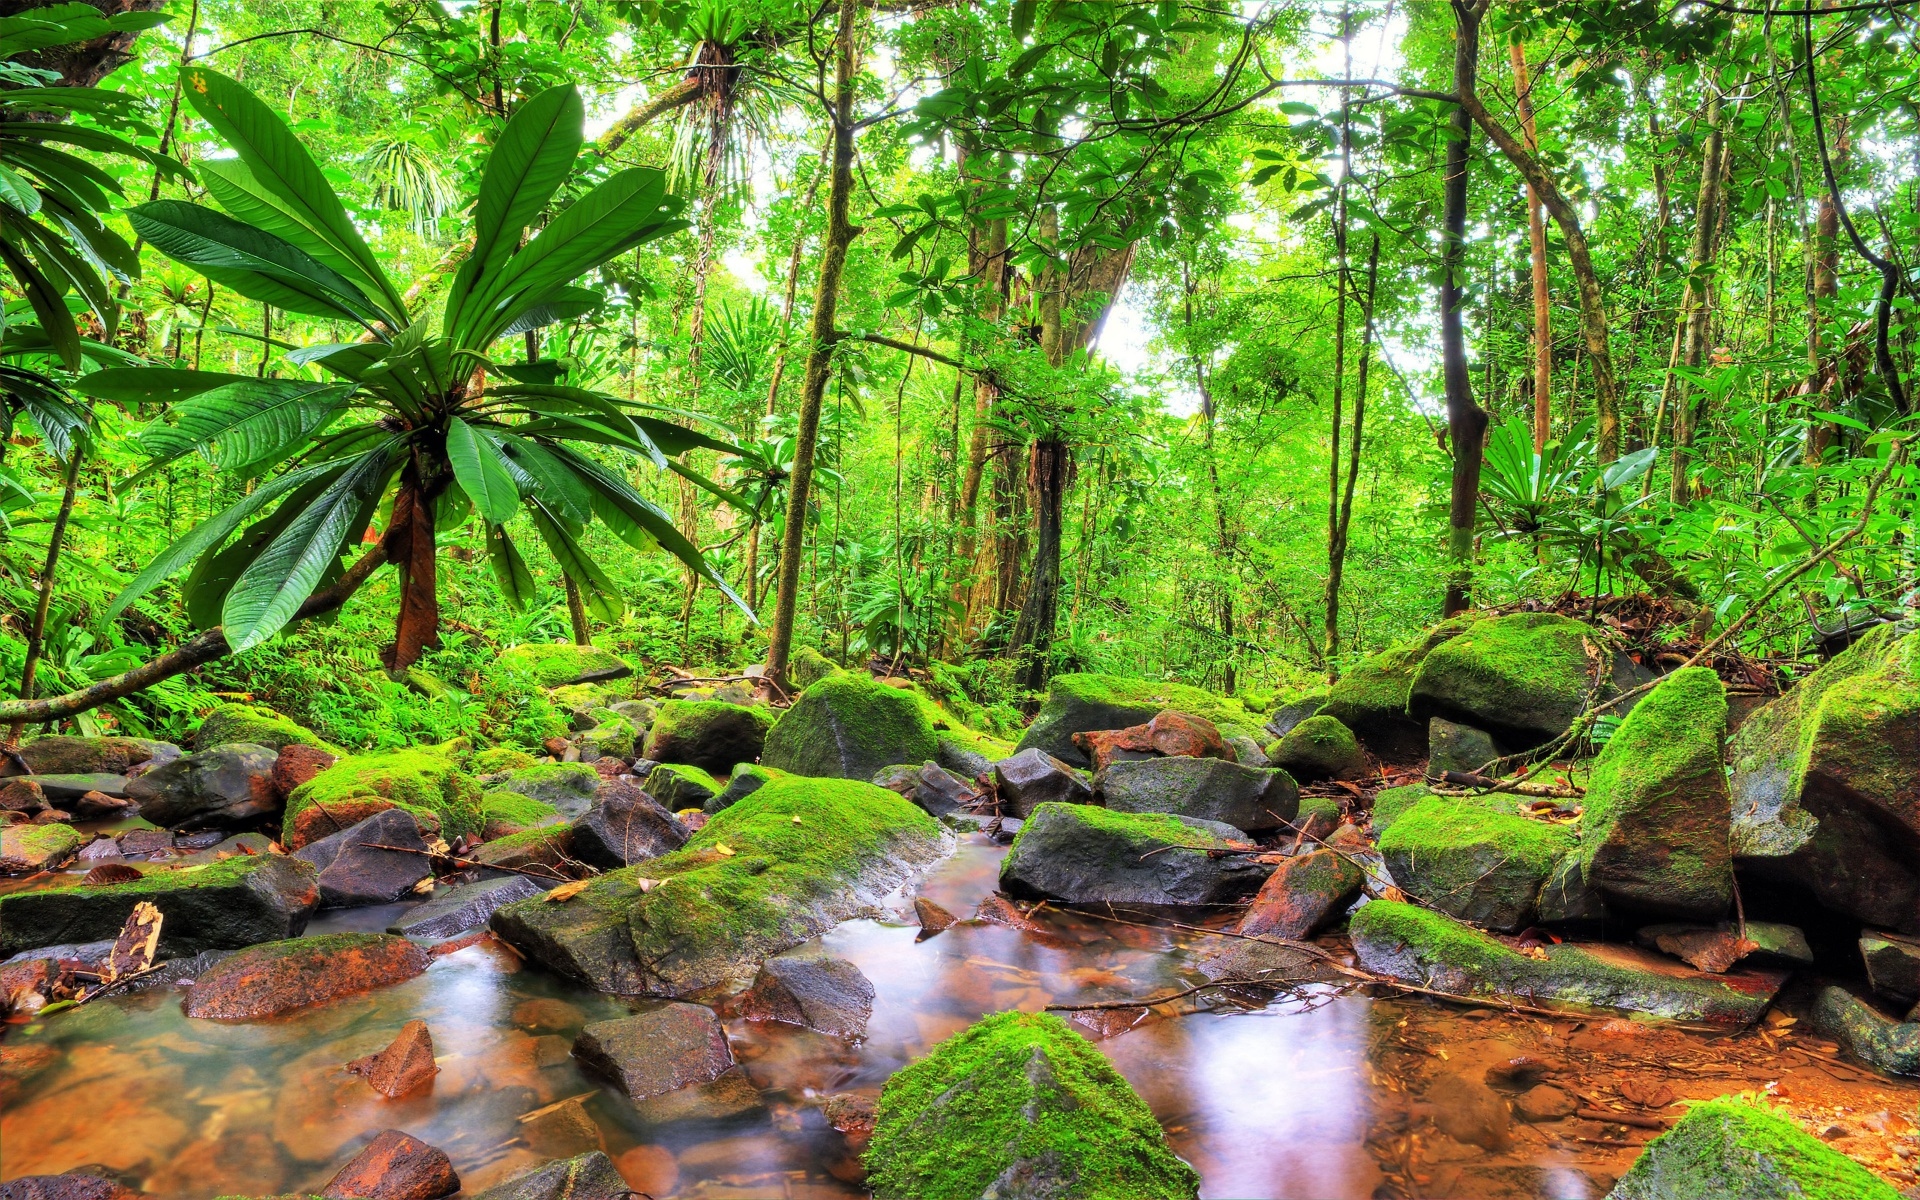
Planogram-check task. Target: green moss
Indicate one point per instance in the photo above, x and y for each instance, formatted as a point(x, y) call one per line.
point(681, 786)
point(500, 758)
point(1319, 747)
point(808, 667)
point(711, 734)
point(1374, 693)
point(1439, 938)
point(972, 741)
point(561, 663)
point(1736, 1147)
point(1140, 829)
point(510, 812)
point(1019, 1094)
point(29, 847)
point(506, 849)
point(1312, 807)
point(614, 735)
point(1121, 692)
point(1526, 675)
point(421, 779)
point(257, 724)
point(1390, 804)
point(160, 881)
point(1471, 862)
point(849, 726)
point(1439, 821)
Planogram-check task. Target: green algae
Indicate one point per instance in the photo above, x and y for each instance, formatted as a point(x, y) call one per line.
point(503, 813)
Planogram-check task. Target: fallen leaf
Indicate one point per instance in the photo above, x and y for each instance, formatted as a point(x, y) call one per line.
point(647, 885)
point(108, 873)
point(723, 849)
point(133, 949)
point(567, 891)
point(796, 818)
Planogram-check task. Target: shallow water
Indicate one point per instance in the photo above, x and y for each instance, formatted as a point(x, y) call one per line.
point(1322, 1096)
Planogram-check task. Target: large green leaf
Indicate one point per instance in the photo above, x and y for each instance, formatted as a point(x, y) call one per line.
point(562, 304)
point(601, 594)
point(57, 258)
point(481, 472)
point(97, 140)
point(284, 168)
point(234, 188)
point(509, 569)
point(140, 386)
point(47, 298)
point(249, 260)
point(250, 420)
point(205, 588)
point(552, 481)
point(278, 582)
point(528, 164)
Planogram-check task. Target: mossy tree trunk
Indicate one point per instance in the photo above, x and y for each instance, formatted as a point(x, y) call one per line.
point(1694, 307)
point(1466, 420)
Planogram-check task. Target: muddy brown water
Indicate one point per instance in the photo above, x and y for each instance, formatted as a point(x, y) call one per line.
point(1314, 1095)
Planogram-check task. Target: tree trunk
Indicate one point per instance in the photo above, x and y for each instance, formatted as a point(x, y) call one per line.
point(83, 64)
point(1466, 420)
point(990, 270)
point(840, 234)
point(1537, 243)
point(1337, 558)
point(37, 632)
point(577, 613)
point(410, 548)
point(1694, 308)
point(1033, 631)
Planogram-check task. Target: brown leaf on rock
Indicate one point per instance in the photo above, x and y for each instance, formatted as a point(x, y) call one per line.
point(567, 891)
point(133, 949)
point(110, 873)
point(1646, 1093)
point(1709, 950)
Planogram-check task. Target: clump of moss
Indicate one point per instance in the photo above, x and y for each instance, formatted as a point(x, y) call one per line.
point(1390, 804)
point(1525, 676)
point(679, 786)
point(566, 786)
point(1473, 863)
point(710, 734)
point(1371, 699)
point(1020, 1097)
point(1145, 829)
point(504, 813)
point(1319, 747)
point(1738, 1147)
point(849, 726)
point(257, 724)
point(500, 758)
point(561, 663)
point(421, 779)
point(613, 735)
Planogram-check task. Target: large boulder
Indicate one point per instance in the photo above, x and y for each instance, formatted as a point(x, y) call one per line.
point(568, 787)
point(1522, 677)
point(254, 725)
point(1471, 862)
point(1087, 703)
point(64, 754)
point(1252, 799)
point(394, 1166)
point(219, 787)
point(1025, 781)
point(376, 861)
point(1019, 1105)
point(562, 663)
point(1823, 791)
point(219, 906)
point(848, 726)
point(1654, 831)
point(503, 813)
point(930, 785)
point(1429, 949)
point(1080, 854)
point(625, 826)
point(1319, 747)
point(1870, 1036)
point(708, 734)
point(25, 849)
point(1733, 1147)
point(1371, 699)
point(426, 781)
point(277, 977)
point(782, 866)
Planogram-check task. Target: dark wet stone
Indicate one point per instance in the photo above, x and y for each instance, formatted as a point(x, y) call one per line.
point(1303, 895)
point(663, 1048)
point(930, 785)
point(679, 786)
point(590, 1176)
point(220, 787)
point(1877, 1040)
point(727, 1096)
point(569, 787)
point(1455, 747)
point(1280, 721)
point(220, 849)
point(355, 871)
point(223, 906)
point(63, 788)
point(280, 976)
point(813, 988)
point(1034, 777)
point(394, 1166)
point(1893, 964)
point(1567, 896)
point(457, 909)
point(1080, 854)
point(745, 780)
point(625, 826)
point(1252, 799)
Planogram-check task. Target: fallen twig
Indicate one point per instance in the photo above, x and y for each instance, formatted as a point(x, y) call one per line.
point(484, 866)
point(1615, 1118)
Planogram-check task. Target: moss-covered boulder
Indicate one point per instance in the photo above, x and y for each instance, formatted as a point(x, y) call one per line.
point(1251, 799)
point(1733, 1147)
point(1654, 831)
point(25, 849)
point(218, 906)
point(256, 725)
point(782, 866)
point(1371, 699)
point(1319, 747)
point(1823, 791)
point(1868, 1034)
point(562, 663)
point(708, 734)
point(611, 736)
point(1419, 946)
point(503, 813)
point(1390, 804)
point(1080, 703)
point(568, 787)
point(424, 780)
point(1082, 854)
point(808, 667)
point(65, 754)
point(848, 726)
point(679, 786)
point(496, 760)
point(546, 850)
point(1020, 1105)
point(968, 752)
point(1481, 866)
point(1522, 677)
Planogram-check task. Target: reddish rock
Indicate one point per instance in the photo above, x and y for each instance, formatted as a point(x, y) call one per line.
point(94, 806)
point(22, 796)
point(403, 1066)
point(21, 980)
point(314, 822)
point(1178, 735)
point(74, 1185)
point(609, 767)
point(933, 918)
point(394, 1166)
point(1301, 895)
point(297, 764)
point(557, 746)
point(662, 1049)
point(275, 977)
point(1103, 746)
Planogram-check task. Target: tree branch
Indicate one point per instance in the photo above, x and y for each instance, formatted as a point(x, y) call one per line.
point(678, 96)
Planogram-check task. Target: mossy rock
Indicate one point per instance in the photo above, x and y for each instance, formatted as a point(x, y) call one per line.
point(1083, 703)
point(424, 780)
point(568, 787)
point(1481, 866)
point(1084, 854)
point(1733, 1147)
point(258, 725)
point(544, 846)
point(747, 778)
point(679, 786)
point(1429, 949)
point(1371, 699)
point(218, 906)
point(28, 848)
point(1319, 747)
point(562, 663)
point(1020, 1105)
point(968, 752)
point(708, 734)
point(1390, 804)
point(1875, 1039)
point(496, 759)
point(1522, 677)
point(1656, 820)
point(503, 813)
point(848, 726)
point(1823, 773)
point(782, 866)
point(808, 667)
point(612, 737)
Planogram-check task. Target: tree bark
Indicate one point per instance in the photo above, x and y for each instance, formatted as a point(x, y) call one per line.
point(1052, 472)
point(410, 548)
point(37, 632)
point(1694, 308)
point(1537, 244)
point(840, 234)
point(577, 613)
point(1466, 420)
point(1337, 557)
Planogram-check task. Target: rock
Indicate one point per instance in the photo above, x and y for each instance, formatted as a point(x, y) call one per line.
point(318, 821)
point(1247, 752)
point(1713, 948)
point(1777, 943)
point(504, 813)
point(74, 1185)
point(660, 1049)
point(1184, 735)
point(591, 1176)
point(1893, 964)
point(1469, 1111)
point(933, 918)
point(935, 789)
point(63, 790)
point(1432, 950)
point(406, 1063)
point(640, 712)
point(813, 988)
point(355, 868)
point(1319, 748)
point(22, 795)
point(222, 786)
point(1483, 867)
point(1080, 703)
point(219, 906)
point(63, 754)
point(1371, 699)
point(394, 1166)
point(1880, 1042)
point(1041, 1114)
point(424, 780)
point(745, 780)
point(1728, 1147)
point(253, 725)
point(729, 1095)
point(548, 849)
point(678, 786)
point(1318, 817)
point(708, 734)
point(625, 826)
point(568, 787)
point(1252, 799)
point(1656, 821)
point(25, 849)
point(277, 977)
point(455, 910)
point(848, 726)
point(808, 666)
point(1390, 804)
point(1280, 721)
point(1822, 788)
point(613, 736)
point(1544, 1102)
point(782, 866)
point(1302, 895)
point(1032, 778)
point(1567, 896)
point(1455, 747)
point(558, 664)
point(968, 754)
point(1242, 960)
point(1523, 677)
point(1079, 854)
point(296, 764)
point(560, 1129)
